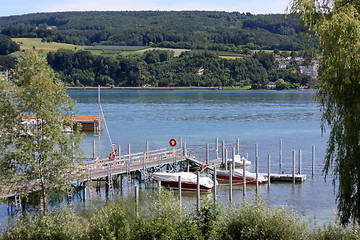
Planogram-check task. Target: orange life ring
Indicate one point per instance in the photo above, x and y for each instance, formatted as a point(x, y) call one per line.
point(172, 142)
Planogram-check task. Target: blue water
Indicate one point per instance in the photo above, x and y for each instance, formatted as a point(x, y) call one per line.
point(255, 117)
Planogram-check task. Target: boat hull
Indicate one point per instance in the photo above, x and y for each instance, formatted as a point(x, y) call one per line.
point(184, 186)
point(238, 179)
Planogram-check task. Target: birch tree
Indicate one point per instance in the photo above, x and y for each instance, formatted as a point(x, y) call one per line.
point(35, 153)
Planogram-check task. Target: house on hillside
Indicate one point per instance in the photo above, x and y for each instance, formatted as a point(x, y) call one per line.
point(271, 86)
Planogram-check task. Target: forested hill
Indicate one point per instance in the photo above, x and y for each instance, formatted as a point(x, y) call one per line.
point(186, 29)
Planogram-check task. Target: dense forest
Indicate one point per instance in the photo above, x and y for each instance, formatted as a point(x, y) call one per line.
point(161, 68)
point(205, 33)
point(186, 29)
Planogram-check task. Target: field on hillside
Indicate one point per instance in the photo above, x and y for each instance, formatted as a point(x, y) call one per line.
point(45, 47)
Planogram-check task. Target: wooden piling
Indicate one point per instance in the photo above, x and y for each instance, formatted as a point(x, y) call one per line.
point(244, 181)
point(223, 162)
point(180, 144)
point(207, 153)
point(215, 187)
point(313, 160)
point(268, 171)
point(119, 150)
point(238, 146)
point(226, 163)
point(280, 156)
point(137, 200)
point(293, 166)
point(299, 161)
point(180, 190)
point(257, 166)
point(230, 182)
point(198, 191)
point(94, 149)
point(217, 148)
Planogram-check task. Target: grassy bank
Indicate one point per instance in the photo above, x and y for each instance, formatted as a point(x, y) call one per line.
point(163, 218)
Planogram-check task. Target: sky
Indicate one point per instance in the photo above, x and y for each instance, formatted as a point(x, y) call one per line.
point(19, 7)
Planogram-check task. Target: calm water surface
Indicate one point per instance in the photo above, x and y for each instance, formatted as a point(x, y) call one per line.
point(255, 117)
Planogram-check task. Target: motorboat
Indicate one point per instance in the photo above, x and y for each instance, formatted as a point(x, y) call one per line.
point(188, 181)
point(239, 161)
point(237, 176)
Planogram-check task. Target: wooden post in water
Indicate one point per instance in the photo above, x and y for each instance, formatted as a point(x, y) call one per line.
point(137, 200)
point(180, 190)
point(207, 153)
point(119, 150)
point(268, 171)
point(185, 150)
point(94, 149)
point(230, 182)
point(84, 191)
point(238, 146)
point(223, 153)
point(280, 156)
point(226, 163)
point(215, 187)
point(129, 148)
point(233, 158)
point(293, 165)
point(147, 146)
point(257, 166)
point(244, 181)
point(159, 186)
point(299, 161)
point(217, 147)
point(198, 191)
point(313, 160)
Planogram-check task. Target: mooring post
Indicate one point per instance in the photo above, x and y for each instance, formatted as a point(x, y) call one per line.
point(244, 182)
point(268, 171)
point(217, 148)
point(238, 146)
point(207, 153)
point(313, 160)
point(223, 162)
point(293, 165)
point(299, 161)
point(180, 190)
point(159, 187)
point(257, 173)
point(226, 162)
point(137, 200)
point(94, 149)
point(233, 158)
point(119, 150)
point(147, 146)
point(129, 148)
point(198, 191)
point(230, 182)
point(214, 180)
point(280, 156)
point(185, 150)
point(257, 166)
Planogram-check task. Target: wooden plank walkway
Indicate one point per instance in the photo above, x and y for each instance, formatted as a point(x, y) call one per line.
point(102, 168)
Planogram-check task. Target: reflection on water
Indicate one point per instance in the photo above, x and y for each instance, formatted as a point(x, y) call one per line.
point(255, 117)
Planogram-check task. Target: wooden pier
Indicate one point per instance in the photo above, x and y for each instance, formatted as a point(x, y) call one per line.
point(88, 123)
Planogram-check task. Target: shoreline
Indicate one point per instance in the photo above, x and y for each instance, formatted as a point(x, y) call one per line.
point(178, 88)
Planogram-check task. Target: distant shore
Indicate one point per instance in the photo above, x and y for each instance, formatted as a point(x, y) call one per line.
point(179, 88)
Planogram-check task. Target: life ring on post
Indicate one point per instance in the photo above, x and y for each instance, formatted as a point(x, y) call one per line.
point(173, 142)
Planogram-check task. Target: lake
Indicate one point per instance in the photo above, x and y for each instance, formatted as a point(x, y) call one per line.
point(255, 117)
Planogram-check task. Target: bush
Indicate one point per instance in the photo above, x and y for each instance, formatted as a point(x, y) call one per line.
point(255, 220)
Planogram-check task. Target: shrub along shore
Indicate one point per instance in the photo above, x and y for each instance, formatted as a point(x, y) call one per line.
point(163, 217)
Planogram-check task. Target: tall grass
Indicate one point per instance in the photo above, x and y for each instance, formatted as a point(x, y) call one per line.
point(162, 217)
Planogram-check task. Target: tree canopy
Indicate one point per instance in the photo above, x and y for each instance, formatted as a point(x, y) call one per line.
point(35, 152)
point(7, 46)
point(336, 24)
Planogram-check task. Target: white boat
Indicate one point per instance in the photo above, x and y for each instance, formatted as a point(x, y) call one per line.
point(188, 181)
point(239, 161)
point(238, 176)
